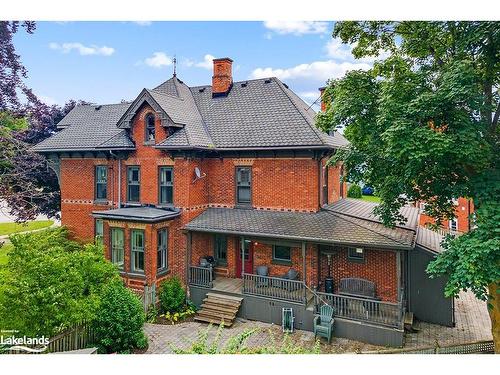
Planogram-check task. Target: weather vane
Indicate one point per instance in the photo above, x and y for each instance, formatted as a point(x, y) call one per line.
point(174, 61)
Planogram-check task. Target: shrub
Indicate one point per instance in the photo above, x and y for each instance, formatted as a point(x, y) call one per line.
point(354, 191)
point(119, 321)
point(172, 295)
point(51, 283)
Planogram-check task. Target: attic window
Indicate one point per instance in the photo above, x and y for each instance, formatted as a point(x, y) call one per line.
point(150, 128)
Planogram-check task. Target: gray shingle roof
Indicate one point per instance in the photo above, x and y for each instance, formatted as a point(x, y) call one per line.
point(324, 226)
point(429, 239)
point(260, 113)
point(364, 210)
point(142, 214)
point(88, 127)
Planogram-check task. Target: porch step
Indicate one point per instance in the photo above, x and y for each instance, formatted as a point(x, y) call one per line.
point(218, 308)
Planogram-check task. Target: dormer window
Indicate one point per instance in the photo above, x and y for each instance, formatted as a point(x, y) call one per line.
point(150, 128)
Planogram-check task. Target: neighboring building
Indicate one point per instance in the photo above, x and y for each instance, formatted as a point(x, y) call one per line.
point(463, 221)
point(236, 171)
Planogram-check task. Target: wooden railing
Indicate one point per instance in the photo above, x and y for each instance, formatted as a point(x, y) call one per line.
point(201, 276)
point(78, 337)
point(275, 288)
point(367, 310)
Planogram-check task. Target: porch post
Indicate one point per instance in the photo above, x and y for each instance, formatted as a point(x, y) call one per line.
point(242, 253)
point(304, 269)
point(398, 270)
point(188, 255)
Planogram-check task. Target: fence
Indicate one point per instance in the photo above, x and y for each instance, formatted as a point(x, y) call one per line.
point(201, 276)
point(274, 287)
point(479, 347)
point(367, 310)
point(78, 337)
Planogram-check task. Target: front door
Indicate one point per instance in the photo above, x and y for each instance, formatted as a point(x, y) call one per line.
point(247, 256)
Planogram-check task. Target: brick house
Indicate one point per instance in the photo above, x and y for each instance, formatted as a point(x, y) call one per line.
point(462, 222)
point(227, 187)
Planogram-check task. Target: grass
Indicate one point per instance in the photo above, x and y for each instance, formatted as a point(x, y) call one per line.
point(370, 198)
point(10, 228)
point(4, 253)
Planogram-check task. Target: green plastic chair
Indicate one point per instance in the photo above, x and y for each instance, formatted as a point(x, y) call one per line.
point(323, 323)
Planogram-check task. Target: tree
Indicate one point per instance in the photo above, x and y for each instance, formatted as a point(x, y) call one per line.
point(423, 126)
point(51, 283)
point(27, 184)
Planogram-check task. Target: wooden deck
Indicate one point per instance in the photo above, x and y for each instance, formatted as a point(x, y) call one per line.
point(228, 285)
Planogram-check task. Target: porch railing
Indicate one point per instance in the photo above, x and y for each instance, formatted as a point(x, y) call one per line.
point(274, 287)
point(367, 310)
point(200, 276)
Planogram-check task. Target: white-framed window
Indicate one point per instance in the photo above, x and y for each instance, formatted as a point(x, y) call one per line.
point(117, 247)
point(244, 185)
point(161, 260)
point(453, 224)
point(137, 247)
point(356, 254)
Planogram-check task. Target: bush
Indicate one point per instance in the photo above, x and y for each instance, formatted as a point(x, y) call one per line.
point(119, 321)
point(51, 283)
point(354, 191)
point(172, 295)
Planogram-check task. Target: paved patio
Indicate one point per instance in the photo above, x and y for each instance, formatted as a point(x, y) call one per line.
point(472, 324)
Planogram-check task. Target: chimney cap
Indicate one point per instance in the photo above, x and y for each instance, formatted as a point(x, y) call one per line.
point(223, 59)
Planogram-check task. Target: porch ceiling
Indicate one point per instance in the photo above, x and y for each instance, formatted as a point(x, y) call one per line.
point(321, 227)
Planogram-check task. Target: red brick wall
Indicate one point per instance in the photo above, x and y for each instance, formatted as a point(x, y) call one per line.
point(380, 266)
point(464, 209)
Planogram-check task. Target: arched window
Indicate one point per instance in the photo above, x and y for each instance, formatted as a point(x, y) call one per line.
point(150, 127)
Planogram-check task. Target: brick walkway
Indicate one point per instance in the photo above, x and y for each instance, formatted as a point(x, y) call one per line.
point(473, 324)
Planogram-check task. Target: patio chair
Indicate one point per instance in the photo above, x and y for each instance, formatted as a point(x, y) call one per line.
point(262, 281)
point(323, 323)
point(291, 274)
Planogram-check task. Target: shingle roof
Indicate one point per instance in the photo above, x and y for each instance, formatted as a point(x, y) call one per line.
point(88, 127)
point(364, 210)
point(262, 113)
point(142, 214)
point(429, 239)
point(324, 226)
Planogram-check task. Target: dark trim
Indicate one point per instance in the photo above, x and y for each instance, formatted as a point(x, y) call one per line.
point(281, 260)
point(237, 203)
point(160, 167)
point(105, 199)
point(147, 141)
point(111, 246)
point(106, 216)
point(129, 167)
point(132, 270)
point(354, 259)
point(267, 148)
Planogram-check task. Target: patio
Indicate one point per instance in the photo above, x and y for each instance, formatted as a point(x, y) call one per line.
point(472, 325)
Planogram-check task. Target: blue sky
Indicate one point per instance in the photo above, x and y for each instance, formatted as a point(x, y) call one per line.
point(105, 62)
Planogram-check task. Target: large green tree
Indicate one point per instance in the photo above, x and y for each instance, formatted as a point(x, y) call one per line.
point(423, 126)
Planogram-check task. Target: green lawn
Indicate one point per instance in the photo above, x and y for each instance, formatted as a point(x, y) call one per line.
point(370, 198)
point(10, 228)
point(4, 251)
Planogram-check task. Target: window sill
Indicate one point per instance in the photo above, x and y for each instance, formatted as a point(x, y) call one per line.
point(136, 275)
point(280, 262)
point(101, 202)
point(162, 272)
point(133, 204)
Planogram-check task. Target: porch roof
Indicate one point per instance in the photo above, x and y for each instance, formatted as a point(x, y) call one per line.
point(138, 214)
point(324, 226)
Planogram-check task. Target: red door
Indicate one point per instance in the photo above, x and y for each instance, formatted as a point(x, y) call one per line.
point(248, 257)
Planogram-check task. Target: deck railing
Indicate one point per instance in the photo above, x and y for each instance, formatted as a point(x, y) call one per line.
point(201, 276)
point(274, 287)
point(367, 310)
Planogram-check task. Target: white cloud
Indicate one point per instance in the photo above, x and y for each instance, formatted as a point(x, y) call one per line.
point(48, 99)
point(82, 49)
point(207, 62)
point(317, 70)
point(158, 60)
point(143, 23)
point(297, 27)
point(337, 50)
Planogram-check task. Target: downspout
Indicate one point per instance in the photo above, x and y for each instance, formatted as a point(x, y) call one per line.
point(119, 178)
point(320, 188)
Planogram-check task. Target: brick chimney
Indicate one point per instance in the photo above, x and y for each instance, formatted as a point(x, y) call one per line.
point(323, 104)
point(222, 79)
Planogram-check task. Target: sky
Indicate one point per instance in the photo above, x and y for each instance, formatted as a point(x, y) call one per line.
point(106, 62)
